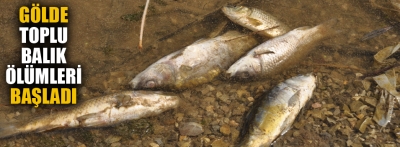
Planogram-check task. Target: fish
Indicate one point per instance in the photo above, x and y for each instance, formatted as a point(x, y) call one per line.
point(97, 112)
point(195, 64)
point(278, 110)
point(277, 54)
point(375, 33)
point(256, 20)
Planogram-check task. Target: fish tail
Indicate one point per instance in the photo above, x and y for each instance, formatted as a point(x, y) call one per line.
point(8, 129)
point(329, 28)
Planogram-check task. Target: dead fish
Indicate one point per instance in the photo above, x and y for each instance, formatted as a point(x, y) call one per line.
point(279, 109)
point(195, 64)
point(97, 112)
point(277, 54)
point(256, 20)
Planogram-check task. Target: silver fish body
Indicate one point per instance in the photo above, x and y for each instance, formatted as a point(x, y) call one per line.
point(97, 112)
point(256, 20)
point(195, 64)
point(277, 54)
point(279, 109)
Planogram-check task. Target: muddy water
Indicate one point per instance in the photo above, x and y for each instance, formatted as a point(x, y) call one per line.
point(105, 46)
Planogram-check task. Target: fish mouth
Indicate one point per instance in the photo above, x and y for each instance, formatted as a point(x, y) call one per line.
point(240, 76)
point(133, 83)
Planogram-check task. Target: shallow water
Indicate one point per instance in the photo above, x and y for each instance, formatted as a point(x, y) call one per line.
point(105, 46)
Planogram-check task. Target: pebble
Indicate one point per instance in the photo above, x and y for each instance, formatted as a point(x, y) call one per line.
point(111, 139)
point(296, 134)
point(184, 143)
point(210, 88)
point(371, 101)
point(250, 99)
point(190, 129)
point(225, 129)
point(115, 144)
point(70, 138)
point(233, 123)
point(187, 94)
point(242, 93)
point(81, 144)
point(355, 106)
point(219, 143)
point(152, 144)
point(224, 98)
point(234, 134)
point(316, 105)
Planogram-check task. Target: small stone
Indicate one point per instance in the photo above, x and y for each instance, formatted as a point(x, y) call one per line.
point(219, 143)
point(346, 108)
point(210, 109)
point(225, 108)
point(179, 116)
point(204, 91)
point(191, 129)
point(225, 129)
point(10, 115)
point(242, 93)
point(316, 105)
point(111, 139)
point(239, 110)
point(327, 58)
point(296, 134)
point(355, 106)
point(159, 141)
point(70, 138)
point(362, 124)
point(186, 94)
point(371, 101)
point(233, 123)
point(81, 144)
point(250, 99)
point(224, 98)
point(210, 88)
point(330, 120)
point(235, 134)
point(218, 94)
point(154, 145)
point(366, 84)
point(349, 142)
point(115, 144)
point(185, 143)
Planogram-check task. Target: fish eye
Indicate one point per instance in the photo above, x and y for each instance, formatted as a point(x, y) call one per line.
point(150, 84)
point(244, 74)
point(237, 8)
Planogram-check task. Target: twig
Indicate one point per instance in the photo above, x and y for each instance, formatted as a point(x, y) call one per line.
point(379, 71)
point(142, 25)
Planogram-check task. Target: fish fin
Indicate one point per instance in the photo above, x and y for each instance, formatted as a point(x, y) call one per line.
point(329, 27)
point(47, 128)
point(254, 22)
point(97, 117)
point(259, 52)
point(8, 129)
